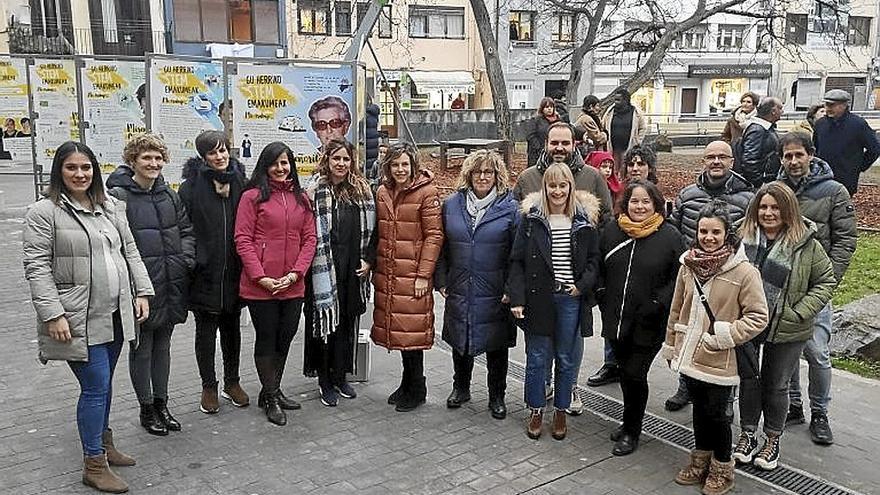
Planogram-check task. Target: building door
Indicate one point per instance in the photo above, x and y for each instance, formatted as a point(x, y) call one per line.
point(387, 115)
point(121, 27)
point(689, 100)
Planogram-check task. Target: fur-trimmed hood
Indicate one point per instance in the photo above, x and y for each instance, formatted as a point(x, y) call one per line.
point(587, 206)
point(195, 164)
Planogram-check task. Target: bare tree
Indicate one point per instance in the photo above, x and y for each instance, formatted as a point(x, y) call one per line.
point(493, 68)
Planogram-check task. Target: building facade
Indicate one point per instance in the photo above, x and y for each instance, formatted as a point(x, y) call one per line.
point(252, 28)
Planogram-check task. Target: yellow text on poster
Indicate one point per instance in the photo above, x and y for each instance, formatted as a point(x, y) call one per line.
point(264, 94)
point(180, 83)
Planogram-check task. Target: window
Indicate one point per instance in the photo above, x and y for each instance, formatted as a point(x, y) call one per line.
point(763, 38)
point(563, 29)
point(385, 22)
point(108, 16)
point(796, 28)
point(693, 39)
point(314, 16)
point(640, 36)
point(730, 36)
point(434, 22)
point(226, 21)
point(522, 25)
point(828, 15)
point(342, 18)
point(362, 8)
point(858, 31)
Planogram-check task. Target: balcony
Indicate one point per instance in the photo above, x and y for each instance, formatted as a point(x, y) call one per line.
point(131, 41)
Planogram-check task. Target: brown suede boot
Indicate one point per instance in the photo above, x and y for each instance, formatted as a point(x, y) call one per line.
point(720, 479)
point(536, 424)
point(696, 471)
point(235, 394)
point(559, 428)
point(114, 457)
point(209, 404)
point(97, 474)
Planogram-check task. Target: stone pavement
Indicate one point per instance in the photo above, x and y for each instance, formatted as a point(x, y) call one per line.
point(363, 445)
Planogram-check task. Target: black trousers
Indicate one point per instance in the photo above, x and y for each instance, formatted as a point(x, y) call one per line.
point(206, 343)
point(414, 373)
point(634, 362)
point(275, 323)
point(711, 421)
point(338, 353)
point(496, 363)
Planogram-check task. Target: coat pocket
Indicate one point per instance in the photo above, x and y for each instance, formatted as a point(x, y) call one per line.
point(708, 358)
point(679, 336)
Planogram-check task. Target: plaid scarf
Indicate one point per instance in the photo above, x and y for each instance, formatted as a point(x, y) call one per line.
point(323, 271)
point(706, 265)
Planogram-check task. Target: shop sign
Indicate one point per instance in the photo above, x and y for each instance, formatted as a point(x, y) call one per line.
point(757, 71)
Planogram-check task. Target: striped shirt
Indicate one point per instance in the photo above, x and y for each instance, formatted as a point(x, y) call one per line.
point(560, 248)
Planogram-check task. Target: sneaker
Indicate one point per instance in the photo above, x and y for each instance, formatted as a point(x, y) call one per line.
point(820, 430)
point(795, 415)
point(209, 403)
point(346, 390)
point(329, 397)
point(235, 394)
point(768, 458)
point(746, 447)
point(576, 408)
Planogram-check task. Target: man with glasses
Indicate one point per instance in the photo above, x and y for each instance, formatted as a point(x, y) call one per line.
point(717, 181)
point(845, 140)
point(330, 118)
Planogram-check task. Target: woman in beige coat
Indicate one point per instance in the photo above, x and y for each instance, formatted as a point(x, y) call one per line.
point(89, 288)
point(718, 304)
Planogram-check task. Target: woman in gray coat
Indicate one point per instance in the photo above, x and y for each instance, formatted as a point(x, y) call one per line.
point(89, 289)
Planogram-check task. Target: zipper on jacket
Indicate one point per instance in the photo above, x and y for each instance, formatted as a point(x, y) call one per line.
point(225, 253)
point(286, 228)
point(625, 285)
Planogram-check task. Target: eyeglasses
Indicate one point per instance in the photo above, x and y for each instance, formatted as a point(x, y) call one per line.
point(712, 158)
point(321, 125)
point(482, 173)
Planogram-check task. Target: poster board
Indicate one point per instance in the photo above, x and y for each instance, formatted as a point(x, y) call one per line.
point(300, 104)
point(111, 110)
point(185, 98)
point(55, 107)
point(16, 128)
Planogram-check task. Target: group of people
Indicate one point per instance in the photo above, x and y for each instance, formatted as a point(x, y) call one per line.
point(728, 271)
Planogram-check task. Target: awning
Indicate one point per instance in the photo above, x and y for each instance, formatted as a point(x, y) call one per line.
point(445, 81)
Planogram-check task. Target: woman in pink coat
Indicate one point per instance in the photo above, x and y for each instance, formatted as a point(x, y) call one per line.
point(275, 238)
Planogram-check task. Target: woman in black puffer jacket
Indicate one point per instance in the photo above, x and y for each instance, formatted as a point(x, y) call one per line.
point(164, 237)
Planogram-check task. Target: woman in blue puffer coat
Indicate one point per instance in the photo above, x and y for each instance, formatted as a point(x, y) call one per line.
point(480, 222)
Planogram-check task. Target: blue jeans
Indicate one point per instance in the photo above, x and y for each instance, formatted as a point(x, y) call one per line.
point(818, 355)
point(96, 391)
point(565, 347)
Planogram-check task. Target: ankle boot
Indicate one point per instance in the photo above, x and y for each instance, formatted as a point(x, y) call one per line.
point(151, 422)
point(536, 423)
point(720, 478)
point(114, 457)
point(97, 474)
point(395, 396)
point(161, 407)
point(697, 470)
point(559, 428)
point(413, 396)
point(274, 413)
point(283, 401)
point(266, 370)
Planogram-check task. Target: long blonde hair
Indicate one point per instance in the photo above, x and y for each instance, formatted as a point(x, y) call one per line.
point(477, 159)
point(793, 228)
point(355, 187)
point(559, 172)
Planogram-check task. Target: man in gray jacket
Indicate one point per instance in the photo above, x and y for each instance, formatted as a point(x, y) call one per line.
point(827, 203)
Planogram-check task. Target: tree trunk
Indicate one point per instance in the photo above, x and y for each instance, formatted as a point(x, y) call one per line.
point(493, 69)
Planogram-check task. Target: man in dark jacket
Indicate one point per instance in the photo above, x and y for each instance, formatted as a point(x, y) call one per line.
point(827, 203)
point(717, 181)
point(372, 140)
point(845, 140)
point(561, 107)
point(756, 155)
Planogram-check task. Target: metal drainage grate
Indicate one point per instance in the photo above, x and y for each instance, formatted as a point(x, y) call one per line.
point(785, 478)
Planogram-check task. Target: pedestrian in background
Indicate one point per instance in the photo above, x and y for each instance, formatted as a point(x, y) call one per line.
point(212, 187)
point(756, 155)
point(339, 287)
point(718, 304)
point(554, 268)
point(735, 125)
point(626, 125)
point(814, 113)
point(479, 225)
point(591, 123)
point(275, 238)
point(85, 315)
point(538, 128)
point(639, 264)
point(798, 281)
point(164, 237)
point(410, 240)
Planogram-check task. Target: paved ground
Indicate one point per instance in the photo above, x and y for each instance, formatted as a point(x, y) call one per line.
point(363, 445)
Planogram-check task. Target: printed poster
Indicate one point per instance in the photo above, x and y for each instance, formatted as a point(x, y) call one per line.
point(304, 107)
point(53, 84)
point(113, 99)
point(15, 137)
point(186, 98)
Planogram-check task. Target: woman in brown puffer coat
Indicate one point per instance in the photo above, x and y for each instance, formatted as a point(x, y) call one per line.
point(410, 238)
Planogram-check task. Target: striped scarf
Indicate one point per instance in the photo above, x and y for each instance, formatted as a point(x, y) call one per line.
point(323, 271)
point(776, 266)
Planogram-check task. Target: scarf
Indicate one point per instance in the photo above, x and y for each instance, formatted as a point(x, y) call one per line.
point(741, 117)
point(221, 179)
point(323, 271)
point(706, 265)
point(776, 266)
point(477, 207)
point(640, 230)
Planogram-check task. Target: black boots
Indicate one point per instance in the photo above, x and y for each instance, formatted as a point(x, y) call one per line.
point(413, 391)
point(284, 402)
point(267, 371)
point(151, 422)
point(161, 407)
